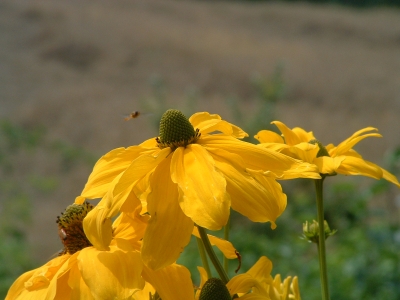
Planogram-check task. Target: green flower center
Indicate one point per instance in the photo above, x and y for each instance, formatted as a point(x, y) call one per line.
point(214, 289)
point(176, 130)
point(70, 228)
point(322, 150)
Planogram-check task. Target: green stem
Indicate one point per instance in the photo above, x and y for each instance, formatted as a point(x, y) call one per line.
point(203, 256)
point(211, 254)
point(321, 239)
point(226, 237)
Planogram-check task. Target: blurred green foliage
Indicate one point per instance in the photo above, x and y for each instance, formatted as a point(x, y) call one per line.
point(18, 188)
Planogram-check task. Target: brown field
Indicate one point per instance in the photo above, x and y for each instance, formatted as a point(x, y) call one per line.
point(78, 66)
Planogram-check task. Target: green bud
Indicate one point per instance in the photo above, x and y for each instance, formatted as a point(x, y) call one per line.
point(311, 231)
point(214, 289)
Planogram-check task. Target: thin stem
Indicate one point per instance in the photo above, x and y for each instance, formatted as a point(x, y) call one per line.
point(203, 256)
point(225, 261)
point(321, 238)
point(211, 254)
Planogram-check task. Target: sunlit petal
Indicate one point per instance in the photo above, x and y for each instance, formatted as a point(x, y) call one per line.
point(203, 195)
point(169, 229)
point(249, 197)
point(358, 166)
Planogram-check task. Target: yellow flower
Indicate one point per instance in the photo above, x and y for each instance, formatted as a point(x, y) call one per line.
point(258, 284)
point(188, 176)
point(84, 272)
point(341, 159)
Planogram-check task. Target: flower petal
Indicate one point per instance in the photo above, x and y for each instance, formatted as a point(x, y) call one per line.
point(224, 246)
point(258, 158)
point(357, 166)
point(267, 136)
point(328, 165)
point(211, 123)
point(113, 274)
point(79, 289)
point(251, 198)
point(203, 196)
point(18, 287)
point(172, 282)
point(169, 229)
point(291, 137)
point(107, 168)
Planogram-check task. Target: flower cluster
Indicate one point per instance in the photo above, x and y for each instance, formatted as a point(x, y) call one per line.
point(155, 195)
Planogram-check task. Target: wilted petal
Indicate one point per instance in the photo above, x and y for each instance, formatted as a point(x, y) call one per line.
point(113, 274)
point(203, 196)
point(172, 282)
point(169, 229)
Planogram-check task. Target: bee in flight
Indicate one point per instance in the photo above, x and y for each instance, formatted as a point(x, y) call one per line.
point(132, 115)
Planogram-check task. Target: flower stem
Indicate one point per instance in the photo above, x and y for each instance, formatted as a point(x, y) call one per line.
point(211, 254)
point(226, 237)
point(203, 256)
point(321, 238)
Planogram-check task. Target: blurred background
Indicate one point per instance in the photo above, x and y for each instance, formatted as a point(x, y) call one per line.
point(71, 70)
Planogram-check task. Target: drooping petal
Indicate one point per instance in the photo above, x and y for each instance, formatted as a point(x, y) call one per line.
point(249, 197)
point(113, 274)
point(208, 123)
point(172, 282)
point(97, 224)
point(203, 196)
point(107, 168)
point(258, 158)
point(169, 229)
point(291, 137)
point(267, 136)
point(357, 166)
point(224, 246)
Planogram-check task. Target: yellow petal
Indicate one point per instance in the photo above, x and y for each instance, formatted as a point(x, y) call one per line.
point(267, 136)
point(349, 143)
point(390, 177)
point(261, 270)
point(241, 283)
point(168, 230)
point(258, 158)
point(291, 137)
point(203, 196)
point(224, 246)
point(107, 168)
point(203, 279)
point(328, 165)
point(212, 123)
point(79, 289)
point(358, 166)
point(305, 152)
point(18, 286)
point(303, 135)
point(111, 274)
point(172, 282)
point(259, 201)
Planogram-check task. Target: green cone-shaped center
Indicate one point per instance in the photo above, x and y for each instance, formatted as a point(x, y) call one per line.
point(322, 150)
point(214, 289)
point(70, 228)
point(176, 130)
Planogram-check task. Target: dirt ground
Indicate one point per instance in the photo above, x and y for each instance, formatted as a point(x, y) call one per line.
point(77, 66)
